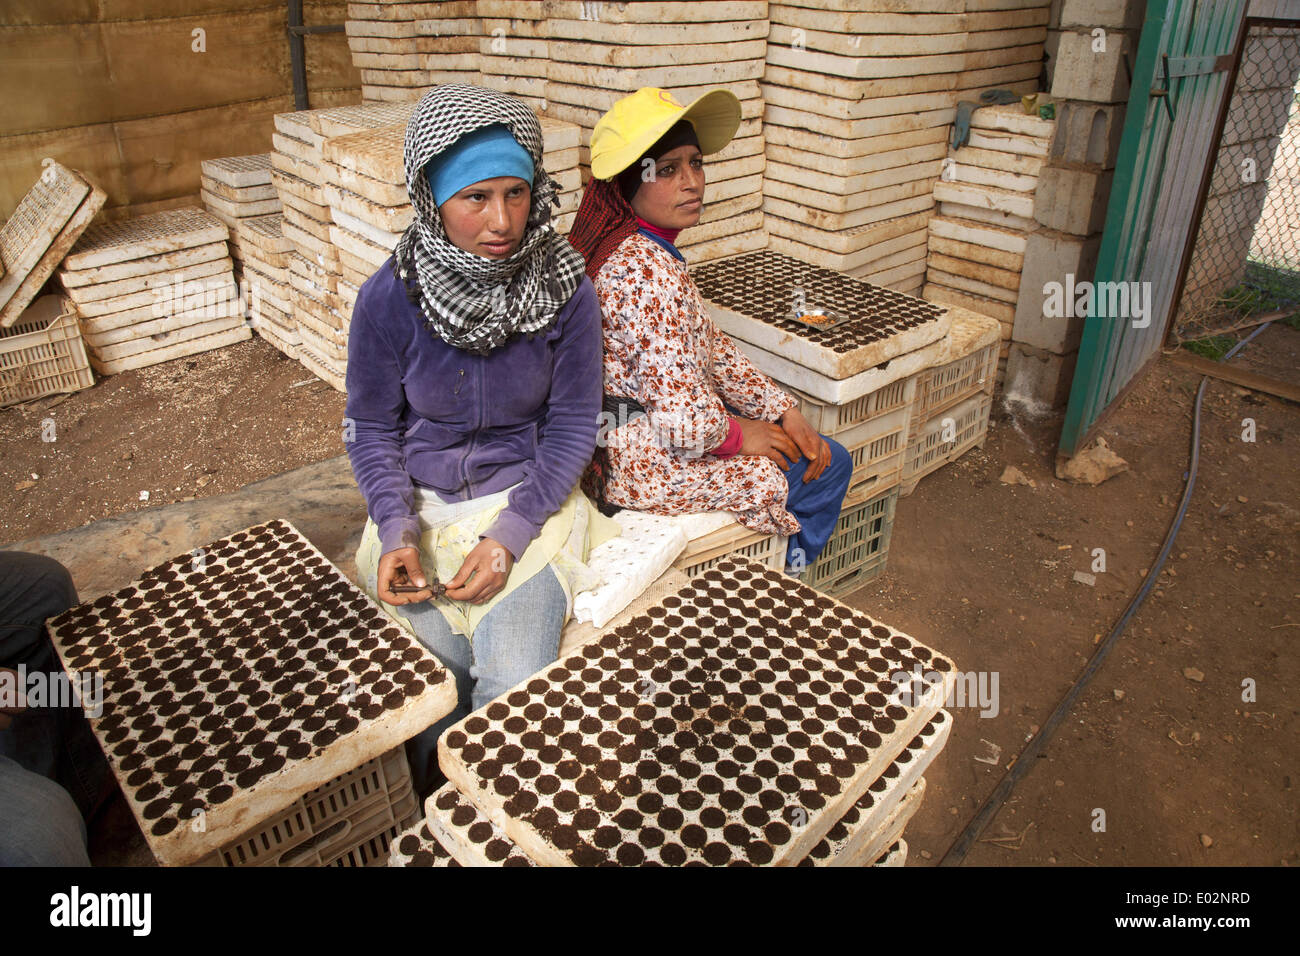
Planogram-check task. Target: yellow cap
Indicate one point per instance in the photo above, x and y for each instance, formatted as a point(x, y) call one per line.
point(636, 122)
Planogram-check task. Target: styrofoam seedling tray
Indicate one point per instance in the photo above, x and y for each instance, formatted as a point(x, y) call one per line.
point(239, 676)
point(733, 723)
point(754, 297)
point(852, 837)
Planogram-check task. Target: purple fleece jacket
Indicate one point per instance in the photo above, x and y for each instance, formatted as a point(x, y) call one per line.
point(469, 425)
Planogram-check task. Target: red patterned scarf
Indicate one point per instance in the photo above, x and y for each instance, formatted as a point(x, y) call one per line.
point(604, 220)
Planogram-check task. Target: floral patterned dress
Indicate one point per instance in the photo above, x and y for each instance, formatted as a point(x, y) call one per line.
point(663, 350)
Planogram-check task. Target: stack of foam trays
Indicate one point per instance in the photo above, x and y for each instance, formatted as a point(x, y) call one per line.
point(512, 48)
point(601, 53)
point(315, 263)
point(746, 720)
point(47, 222)
point(236, 188)
point(403, 49)
point(266, 277)
point(154, 288)
point(986, 213)
point(849, 351)
point(365, 186)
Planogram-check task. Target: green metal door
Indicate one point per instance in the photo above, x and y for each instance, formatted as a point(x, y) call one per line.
point(1185, 51)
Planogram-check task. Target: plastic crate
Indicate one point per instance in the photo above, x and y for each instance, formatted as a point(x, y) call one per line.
point(876, 448)
point(316, 827)
point(944, 386)
point(43, 353)
point(857, 547)
point(832, 419)
point(929, 452)
point(704, 552)
point(369, 844)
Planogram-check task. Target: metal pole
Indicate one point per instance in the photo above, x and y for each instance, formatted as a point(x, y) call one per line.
point(297, 55)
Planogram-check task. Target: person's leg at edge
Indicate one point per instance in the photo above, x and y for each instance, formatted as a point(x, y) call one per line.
point(817, 506)
point(53, 741)
point(40, 824)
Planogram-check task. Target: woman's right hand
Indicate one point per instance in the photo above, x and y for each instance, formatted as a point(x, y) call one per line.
point(767, 440)
point(402, 566)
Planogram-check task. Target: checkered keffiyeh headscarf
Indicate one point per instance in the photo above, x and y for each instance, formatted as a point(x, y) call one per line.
point(469, 301)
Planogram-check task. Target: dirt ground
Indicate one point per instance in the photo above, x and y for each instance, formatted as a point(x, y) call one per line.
point(191, 428)
point(1162, 741)
point(1182, 768)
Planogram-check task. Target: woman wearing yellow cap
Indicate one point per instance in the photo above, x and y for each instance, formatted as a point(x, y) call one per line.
point(691, 424)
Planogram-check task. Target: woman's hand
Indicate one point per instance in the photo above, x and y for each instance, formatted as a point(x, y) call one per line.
point(402, 566)
point(767, 441)
point(483, 574)
point(812, 445)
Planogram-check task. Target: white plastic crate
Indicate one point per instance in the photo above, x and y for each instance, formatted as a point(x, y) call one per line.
point(876, 448)
point(976, 343)
point(43, 353)
point(704, 552)
point(945, 438)
point(316, 828)
point(858, 547)
point(832, 419)
point(369, 844)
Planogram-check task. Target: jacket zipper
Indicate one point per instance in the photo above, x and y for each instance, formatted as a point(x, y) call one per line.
point(473, 435)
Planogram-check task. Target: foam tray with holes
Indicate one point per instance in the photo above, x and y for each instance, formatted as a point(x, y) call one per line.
point(167, 231)
point(733, 723)
point(469, 836)
point(849, 841)
point(473, 840)
point(896, 855)
point(35, 223)
point(628, 564)
point(417, 846)
point(749, 297)
point(239, 172)
point(237, 678)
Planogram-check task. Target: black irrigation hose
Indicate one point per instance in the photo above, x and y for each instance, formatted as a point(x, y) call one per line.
point(1034, 749)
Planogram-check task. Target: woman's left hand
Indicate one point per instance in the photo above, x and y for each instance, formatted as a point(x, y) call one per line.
point(812, 445)
point(483, 574)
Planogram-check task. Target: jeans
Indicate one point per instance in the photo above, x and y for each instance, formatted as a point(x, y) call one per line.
point(515, 640)
point(49, 742)
point(816, 505)
point(39, 823)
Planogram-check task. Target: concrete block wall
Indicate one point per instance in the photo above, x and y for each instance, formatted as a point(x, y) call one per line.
point(1088, 43)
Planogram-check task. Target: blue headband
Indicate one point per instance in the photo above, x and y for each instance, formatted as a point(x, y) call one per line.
point(486, 153)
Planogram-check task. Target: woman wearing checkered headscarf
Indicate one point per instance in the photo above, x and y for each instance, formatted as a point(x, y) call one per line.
point(474, 390)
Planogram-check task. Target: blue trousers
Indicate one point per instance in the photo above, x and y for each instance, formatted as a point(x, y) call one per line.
point(515, 640)
point(816, 505)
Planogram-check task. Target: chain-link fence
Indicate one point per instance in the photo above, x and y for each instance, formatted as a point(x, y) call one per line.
point(1246, 261)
